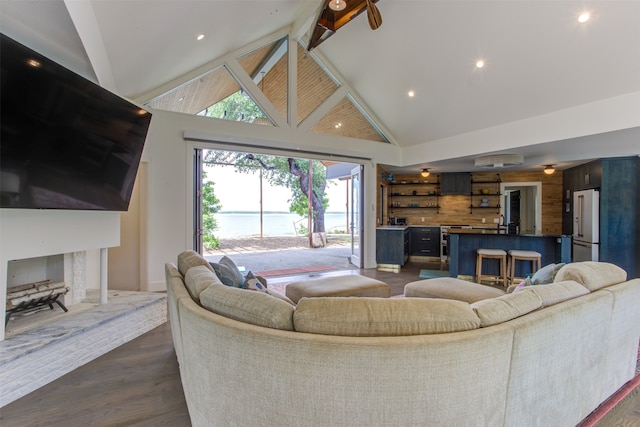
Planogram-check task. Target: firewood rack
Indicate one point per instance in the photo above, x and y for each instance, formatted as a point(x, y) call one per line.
point(24, 302)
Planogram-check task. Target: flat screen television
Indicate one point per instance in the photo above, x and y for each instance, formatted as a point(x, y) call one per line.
point(66, 142)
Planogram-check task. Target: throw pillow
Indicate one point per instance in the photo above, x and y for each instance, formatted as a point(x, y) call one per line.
point(546, 274)
point(521, 285)
point(232, 266)
point(251, 282)
point(228, 273)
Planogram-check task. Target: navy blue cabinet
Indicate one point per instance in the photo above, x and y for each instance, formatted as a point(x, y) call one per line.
point(458, 183)
point(425, 241)
point(618, 179)
point(620, 213)
point(392, 245)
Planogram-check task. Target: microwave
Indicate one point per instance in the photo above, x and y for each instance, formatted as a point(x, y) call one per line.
point(397, 221)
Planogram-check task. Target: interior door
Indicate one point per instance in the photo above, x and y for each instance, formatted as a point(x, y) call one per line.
point(197, 201)
point(514, 207)
point(355, 222)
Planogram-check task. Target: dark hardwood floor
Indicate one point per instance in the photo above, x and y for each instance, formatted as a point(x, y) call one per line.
point(138, 384)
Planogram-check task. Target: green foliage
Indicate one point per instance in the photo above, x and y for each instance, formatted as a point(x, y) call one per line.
point(210, 205)
point(238, 107)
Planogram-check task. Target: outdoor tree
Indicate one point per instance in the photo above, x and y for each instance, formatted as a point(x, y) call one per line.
point(283, 171)
point(210, 205)
point(287, 172)
point(238, 107)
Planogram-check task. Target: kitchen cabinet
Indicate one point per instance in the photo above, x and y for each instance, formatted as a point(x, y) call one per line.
point(415, 194)
point(425, 241)
point(485, 194)
point(618, 179)
point(620, 214)
point(392, 245)
point(458, 183)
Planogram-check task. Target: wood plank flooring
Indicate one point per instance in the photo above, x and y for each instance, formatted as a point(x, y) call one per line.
point(138, 384)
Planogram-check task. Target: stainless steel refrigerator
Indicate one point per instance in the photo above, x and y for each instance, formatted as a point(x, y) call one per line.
point(586, 225)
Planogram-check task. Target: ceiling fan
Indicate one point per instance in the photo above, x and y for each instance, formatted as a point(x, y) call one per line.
point(336, 13)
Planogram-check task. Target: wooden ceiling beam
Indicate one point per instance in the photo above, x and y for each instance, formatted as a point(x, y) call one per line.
point(329, 21)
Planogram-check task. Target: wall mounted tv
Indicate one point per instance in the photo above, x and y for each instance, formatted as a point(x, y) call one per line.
point(66, 142)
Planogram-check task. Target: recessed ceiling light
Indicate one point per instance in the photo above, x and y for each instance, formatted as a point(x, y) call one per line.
point(479, 63)
point(584, 17)
point(200, 37)
point(411, 94)
point(34, 63)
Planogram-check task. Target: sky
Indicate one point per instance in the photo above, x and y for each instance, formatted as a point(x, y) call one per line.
point(241, 192)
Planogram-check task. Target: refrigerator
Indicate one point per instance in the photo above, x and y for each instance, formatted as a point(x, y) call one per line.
point(586, 225)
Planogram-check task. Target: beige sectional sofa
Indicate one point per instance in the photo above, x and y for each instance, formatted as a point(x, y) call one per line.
point(544, 356)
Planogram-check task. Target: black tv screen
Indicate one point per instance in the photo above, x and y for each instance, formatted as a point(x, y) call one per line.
point(66, 142)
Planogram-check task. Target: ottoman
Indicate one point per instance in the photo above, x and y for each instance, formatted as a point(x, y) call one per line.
point(450, 288)
point(338, 286)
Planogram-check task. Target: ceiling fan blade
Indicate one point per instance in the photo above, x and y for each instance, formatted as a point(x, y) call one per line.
point(375, 19)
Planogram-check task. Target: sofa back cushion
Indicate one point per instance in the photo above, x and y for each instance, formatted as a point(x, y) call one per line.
point(591, 274)
point(502, 309)
point(369, 317)
point(188, 259)
point(198, 279)
point(256, 308)
point(558, 292)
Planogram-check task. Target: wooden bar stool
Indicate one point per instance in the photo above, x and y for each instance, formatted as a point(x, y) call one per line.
point(498, 254)
point(515, 255)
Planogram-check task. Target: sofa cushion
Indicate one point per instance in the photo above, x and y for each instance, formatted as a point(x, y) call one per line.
point(256, 308)
point(558, 292)
point(501, 309)
point(451, 288)
point(198, 279)
point(591, 274)
point(188, 259)
point(370, 316)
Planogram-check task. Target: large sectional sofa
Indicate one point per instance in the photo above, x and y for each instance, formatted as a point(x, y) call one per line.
point(547, 355)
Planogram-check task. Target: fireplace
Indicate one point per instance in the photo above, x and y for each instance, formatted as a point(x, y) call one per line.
point(44, 281)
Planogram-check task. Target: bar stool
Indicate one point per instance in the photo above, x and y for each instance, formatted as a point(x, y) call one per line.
point(515, 255)
point(498, 254)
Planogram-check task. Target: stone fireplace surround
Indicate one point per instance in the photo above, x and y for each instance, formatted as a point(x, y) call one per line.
point(69, 246)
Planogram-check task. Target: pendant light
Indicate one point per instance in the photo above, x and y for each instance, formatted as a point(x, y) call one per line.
point(337, 5)
point(425, 172)
point(549, 169)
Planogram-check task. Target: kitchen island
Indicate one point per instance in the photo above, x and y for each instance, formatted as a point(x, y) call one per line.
point(464, 243)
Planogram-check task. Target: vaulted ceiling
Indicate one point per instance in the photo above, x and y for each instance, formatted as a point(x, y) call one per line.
point(540, 63)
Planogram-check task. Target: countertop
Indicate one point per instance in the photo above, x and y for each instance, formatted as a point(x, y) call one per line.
point(492, 230)
point(473, 230)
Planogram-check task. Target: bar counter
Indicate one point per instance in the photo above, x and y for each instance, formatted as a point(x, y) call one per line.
point(463, 244)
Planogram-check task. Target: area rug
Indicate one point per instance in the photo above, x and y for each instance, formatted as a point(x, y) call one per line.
point(432, 274)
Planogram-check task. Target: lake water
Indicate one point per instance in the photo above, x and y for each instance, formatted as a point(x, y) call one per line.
point(239, 224)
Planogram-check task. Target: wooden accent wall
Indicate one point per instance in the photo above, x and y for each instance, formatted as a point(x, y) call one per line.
point(455, 209)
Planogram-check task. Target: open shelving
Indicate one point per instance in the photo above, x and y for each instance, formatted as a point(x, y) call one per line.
point(414, 194)
point(485, 190)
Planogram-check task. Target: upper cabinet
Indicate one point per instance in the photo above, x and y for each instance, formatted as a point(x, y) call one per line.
point(585, 177)
point(458, 183)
